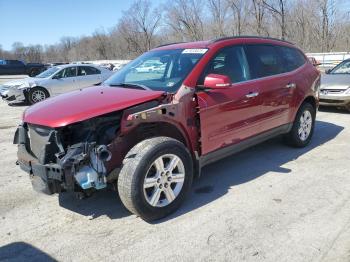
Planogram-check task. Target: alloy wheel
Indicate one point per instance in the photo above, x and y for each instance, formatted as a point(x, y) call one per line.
point(305, 125)
point(38, 95)
point(164, 180)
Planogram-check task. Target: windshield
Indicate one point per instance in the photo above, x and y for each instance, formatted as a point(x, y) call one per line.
point(49, 72)
point(342, 68)
point(162, 70)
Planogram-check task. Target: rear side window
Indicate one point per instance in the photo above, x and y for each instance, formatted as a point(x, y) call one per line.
point(230, 61)
point(291, 58)
point(88, 70)
point(264, 60)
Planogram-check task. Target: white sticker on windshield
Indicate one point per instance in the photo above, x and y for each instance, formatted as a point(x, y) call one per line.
point(194, 51)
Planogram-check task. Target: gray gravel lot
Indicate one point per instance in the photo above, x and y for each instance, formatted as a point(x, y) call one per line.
point(268, 203)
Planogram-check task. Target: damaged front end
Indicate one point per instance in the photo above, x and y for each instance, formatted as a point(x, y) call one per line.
point(71, 158)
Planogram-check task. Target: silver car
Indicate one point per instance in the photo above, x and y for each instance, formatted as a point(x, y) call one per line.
point(54, 81)
point(335, 86)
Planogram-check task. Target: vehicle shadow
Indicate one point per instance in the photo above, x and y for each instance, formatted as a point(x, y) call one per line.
point(21, 251)
point(332, 109)
point(216, 178)
point(19, 104)
point(105, 202)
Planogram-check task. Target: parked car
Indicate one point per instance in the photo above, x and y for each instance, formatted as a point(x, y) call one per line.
point(151, 134)
point(335, 86)
point(108, 66)
point(16, 67)
point(54, 81)
point(314, 61)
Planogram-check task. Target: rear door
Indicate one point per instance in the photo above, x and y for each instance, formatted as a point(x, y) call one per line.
point(276, 87)
point(88, 76)
point(228, 116)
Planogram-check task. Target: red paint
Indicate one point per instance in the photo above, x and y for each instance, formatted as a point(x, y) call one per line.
point(216, 81)
point(227, 115)
point(77, 106)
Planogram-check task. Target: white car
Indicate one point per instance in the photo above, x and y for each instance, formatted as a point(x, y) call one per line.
point(54, 81)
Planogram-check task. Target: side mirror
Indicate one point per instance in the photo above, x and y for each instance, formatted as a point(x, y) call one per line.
point(216, 81)
point(55, 77)
point(328, 71)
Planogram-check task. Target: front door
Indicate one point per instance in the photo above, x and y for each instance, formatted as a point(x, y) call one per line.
point(64, 81)
point(228, 116)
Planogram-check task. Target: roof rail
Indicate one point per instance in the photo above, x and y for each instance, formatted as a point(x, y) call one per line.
point(170, 44)
point(248, 36)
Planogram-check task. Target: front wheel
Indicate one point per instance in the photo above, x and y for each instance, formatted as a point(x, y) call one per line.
point(37, 94)
point(156, 176)
point(303, 126)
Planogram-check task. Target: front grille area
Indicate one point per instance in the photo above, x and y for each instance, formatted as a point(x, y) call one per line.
point(332, 91)
point(40, 139)
point(331, 101)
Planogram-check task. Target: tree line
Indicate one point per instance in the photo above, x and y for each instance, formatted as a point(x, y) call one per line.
point(313, 25)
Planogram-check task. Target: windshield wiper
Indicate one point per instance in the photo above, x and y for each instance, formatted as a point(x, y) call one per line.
point(130, 85)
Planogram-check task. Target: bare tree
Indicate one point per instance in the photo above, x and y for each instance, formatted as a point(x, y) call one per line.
point(138, 26)
point(258, 11)
point(278, 10)
point(219, 12)
point(238, 9)
point(185, 18)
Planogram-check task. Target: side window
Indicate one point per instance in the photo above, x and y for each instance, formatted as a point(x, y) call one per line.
point(263, 60)
point(70, 72)
point(230, 61)
point(88, 70)
point(67, 72)
point(291, 58)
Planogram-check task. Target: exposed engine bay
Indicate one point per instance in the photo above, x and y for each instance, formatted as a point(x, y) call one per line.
point(71, 158)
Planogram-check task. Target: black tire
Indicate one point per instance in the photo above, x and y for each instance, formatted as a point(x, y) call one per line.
point(137, 164)
point(293, 138)
point(31, 94)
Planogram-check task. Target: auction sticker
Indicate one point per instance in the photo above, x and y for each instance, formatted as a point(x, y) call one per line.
point(194, 51)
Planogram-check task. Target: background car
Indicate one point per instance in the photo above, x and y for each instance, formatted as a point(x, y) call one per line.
point(54, 81)
point(16, 67)
point(335, 86)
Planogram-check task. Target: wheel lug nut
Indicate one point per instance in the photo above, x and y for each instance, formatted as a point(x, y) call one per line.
point(166, 185)
point(169, 178)
point(158, 180)
point(160, 186)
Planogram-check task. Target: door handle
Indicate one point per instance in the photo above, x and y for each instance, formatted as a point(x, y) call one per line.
point(291, 85)
point(252, 94)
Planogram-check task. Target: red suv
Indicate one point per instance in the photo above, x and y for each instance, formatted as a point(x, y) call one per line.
point(150, 132)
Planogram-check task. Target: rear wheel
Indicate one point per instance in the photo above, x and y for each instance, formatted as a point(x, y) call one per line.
point(156, 176)
point(37, 94)
point(303, 126)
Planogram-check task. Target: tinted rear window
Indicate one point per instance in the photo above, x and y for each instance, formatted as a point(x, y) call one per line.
point(264, 60)
point(291, 58)
point(88, 70)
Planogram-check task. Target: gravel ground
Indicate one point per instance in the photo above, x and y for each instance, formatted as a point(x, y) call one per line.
point(268, 203)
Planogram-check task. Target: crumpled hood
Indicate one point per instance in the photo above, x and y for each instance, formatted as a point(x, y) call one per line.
point(335, 81)
point(86, 103)
point(28, 81)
